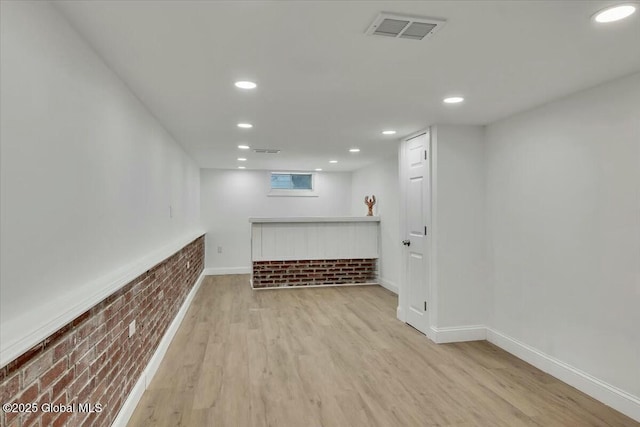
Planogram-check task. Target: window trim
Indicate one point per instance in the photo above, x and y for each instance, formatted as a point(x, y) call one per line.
point(281, 192)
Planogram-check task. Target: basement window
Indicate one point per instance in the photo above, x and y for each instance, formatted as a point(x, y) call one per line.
point(297, 184)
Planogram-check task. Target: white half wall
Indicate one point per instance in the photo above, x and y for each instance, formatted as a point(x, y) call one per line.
point(563, 215)
point(381, 179)
point(460, 267)
point(230, 197)
point(90, 181)
point(319, 240)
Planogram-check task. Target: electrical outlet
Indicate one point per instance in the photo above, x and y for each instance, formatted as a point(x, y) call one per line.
point(219, 249)
point(132, 328)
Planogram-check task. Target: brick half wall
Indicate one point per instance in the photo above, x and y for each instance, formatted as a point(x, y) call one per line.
point(92, 359)
point(276, 274)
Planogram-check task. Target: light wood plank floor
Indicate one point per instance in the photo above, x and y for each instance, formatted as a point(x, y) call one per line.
point(339, 357)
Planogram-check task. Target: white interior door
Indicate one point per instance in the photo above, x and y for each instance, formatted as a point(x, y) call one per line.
point(416, 250)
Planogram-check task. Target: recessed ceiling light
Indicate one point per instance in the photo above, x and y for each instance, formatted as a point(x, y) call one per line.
point(614, 13)
point(242, 159)
point(354, 150)
point(318, 169)
point(333, 161)
point(241, 167)
point(243, 147)
point(246, 85)
point(245, 125)
point(453, 100)
point(388, 132)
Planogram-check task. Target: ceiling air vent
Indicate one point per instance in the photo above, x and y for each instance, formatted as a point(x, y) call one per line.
point(404, 26)
point(266, 150)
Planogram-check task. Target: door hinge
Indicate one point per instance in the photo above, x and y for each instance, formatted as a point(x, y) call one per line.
point(425, 154)
point(425, 230)
point(425, 306)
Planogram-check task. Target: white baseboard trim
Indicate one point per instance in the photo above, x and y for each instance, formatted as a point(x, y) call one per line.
point(389, 285)
point(129, 406)
point(612, 396)
point(216, 271)
point(400, 314)
point(458, 334)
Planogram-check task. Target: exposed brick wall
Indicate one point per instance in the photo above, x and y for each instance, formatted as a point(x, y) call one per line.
point(92, 359)
point(267, 274)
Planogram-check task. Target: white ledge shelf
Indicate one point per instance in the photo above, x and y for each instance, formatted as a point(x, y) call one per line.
point(315, 219)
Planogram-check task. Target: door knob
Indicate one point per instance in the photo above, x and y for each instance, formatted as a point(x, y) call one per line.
point(406, 242)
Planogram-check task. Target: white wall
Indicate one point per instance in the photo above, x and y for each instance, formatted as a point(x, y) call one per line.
point(381, 179)
point(458, 223)
point(563, 204)
point(87, 173)
point(230, 197)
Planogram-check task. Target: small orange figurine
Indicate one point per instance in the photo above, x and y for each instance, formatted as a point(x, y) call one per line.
point(370, 202)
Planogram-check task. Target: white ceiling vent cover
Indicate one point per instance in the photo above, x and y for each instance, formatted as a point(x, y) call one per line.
point(404, 26)
point(266, 150)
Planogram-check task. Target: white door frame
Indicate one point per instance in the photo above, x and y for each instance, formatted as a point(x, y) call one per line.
point(403, 302)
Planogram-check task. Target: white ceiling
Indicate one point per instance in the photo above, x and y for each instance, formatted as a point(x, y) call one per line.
point(324, 86)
